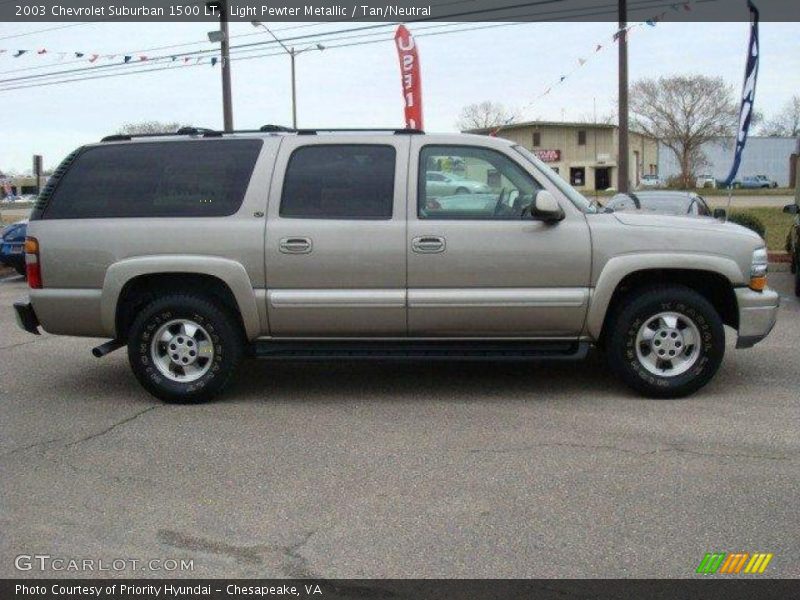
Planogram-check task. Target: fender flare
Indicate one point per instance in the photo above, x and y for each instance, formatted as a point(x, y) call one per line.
point(619, 267)
point(230, 272)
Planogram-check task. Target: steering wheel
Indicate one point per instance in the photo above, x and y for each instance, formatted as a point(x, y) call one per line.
point(499, 202)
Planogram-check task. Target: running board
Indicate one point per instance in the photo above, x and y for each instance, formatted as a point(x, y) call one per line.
point(419, 350)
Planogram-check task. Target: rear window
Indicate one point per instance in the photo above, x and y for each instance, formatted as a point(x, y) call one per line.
point(341, 181)
point(205, 178)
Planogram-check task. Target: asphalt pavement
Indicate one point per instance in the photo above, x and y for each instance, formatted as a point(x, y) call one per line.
point(397, 469)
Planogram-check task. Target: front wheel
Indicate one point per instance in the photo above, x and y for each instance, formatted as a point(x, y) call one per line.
point(184, 349)
point(666, 342)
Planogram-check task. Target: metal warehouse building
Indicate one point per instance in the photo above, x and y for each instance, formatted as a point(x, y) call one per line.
point(770, 156)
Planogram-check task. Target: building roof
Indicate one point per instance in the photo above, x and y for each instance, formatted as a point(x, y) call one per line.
point(526, 124)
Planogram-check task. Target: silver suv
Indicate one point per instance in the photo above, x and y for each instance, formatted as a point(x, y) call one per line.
point(199, 248)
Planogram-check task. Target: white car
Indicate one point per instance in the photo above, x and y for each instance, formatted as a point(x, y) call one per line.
point(650, 181)
point(706, 181)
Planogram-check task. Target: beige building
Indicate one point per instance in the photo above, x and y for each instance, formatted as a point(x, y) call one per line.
point(584, 154)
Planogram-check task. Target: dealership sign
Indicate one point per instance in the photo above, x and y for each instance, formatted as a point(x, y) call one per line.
point(548, 155)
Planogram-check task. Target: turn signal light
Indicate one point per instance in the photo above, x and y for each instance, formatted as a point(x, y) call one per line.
point(33, 269)
point(758, 284)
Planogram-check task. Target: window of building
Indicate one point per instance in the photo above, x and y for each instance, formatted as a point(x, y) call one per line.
point(484, 184)
point(204, 178)
point(339, 181)
point(537, 139)
point(577, 176)
point(581, 137)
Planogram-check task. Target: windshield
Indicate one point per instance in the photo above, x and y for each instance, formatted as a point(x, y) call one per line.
point(574, 196)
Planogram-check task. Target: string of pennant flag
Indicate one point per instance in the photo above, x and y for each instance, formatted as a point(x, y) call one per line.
point(599, 47)
point(93, 57)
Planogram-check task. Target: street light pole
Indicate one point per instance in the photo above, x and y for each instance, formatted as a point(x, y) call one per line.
point(293, 53)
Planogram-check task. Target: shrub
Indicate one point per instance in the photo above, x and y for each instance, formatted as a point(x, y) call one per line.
point(750, 221)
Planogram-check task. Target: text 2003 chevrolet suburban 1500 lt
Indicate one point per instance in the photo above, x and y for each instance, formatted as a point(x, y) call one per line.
point(199, 248)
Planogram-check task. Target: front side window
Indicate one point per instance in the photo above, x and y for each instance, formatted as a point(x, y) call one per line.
point(203, 178)
point(339, 181)
point(476, 183)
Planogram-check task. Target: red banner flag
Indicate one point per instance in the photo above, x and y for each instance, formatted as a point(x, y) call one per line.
point(410, 77)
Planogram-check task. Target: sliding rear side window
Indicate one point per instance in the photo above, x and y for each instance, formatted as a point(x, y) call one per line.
point(203, 178)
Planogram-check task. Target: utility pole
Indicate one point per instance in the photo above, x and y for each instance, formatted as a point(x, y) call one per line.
point(292, 54)
point(221, 36)
point(623, 174)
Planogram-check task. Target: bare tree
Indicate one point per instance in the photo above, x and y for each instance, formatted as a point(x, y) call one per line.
point(684, 112)
point(787, 122)
point(484, 115)
point(150, 127)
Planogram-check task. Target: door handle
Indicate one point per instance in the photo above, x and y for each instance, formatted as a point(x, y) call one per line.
point(295, 245)
point(428, 245)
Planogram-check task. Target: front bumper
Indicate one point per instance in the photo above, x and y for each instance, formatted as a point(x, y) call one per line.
point(757, 314)
point(26, 317)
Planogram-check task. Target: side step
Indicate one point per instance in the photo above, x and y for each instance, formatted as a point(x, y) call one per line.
point(513, 350)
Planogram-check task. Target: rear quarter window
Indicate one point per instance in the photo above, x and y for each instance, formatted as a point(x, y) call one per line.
point(203, 178)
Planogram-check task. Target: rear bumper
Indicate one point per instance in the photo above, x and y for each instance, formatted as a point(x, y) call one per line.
point(757, 314)
point(26, 317)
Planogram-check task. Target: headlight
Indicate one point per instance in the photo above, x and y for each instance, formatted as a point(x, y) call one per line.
point(758, 270)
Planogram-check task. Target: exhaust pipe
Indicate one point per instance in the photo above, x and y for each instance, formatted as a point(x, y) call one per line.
point(103, 349)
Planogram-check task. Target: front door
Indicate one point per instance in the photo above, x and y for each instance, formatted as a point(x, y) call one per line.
point(478, 264)
point(335, 245)
point(602, 178)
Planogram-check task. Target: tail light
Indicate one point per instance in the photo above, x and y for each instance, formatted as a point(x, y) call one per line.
point(33, 267)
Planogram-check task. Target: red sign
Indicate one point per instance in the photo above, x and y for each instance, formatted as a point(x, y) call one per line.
point(548, 155)
point(410, 77)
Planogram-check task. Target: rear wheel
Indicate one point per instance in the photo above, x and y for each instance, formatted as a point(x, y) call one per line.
point(184, 348)
point(462, 190)
point(666, 342)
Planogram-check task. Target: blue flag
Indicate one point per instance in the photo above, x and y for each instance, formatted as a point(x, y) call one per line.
point(748, 94)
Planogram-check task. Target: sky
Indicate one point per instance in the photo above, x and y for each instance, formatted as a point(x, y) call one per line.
point(359, 86)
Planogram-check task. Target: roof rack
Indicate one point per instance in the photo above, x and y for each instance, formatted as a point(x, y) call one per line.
point(205, 132)
point(393, 130)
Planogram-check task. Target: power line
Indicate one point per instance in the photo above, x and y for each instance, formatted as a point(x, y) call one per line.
point(17, 35)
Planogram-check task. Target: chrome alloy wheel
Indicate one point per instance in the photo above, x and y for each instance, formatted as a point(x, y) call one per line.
point(668, 344)
point(182, 350)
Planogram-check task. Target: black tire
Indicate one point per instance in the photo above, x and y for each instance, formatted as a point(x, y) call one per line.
point(634, 312)
point(21, 270)
point(797, 281)
point(225, 334)
point(461, 191)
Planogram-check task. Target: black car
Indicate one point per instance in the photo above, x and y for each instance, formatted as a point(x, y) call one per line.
point(12, 246)
point(793, 244)
point(665, 202)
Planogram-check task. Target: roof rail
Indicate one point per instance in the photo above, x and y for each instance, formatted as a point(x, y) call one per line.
point(204, 131)
point(393, 130)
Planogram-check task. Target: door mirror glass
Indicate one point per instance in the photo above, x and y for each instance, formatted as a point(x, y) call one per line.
point(791, 209)
point(546, 208)
point(720, 213)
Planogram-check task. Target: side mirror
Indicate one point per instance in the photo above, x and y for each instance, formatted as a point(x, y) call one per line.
point(791, 209)
point(546, 208)
point(720, 213)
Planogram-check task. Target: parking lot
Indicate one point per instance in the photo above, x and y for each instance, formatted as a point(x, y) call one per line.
point(399, 469)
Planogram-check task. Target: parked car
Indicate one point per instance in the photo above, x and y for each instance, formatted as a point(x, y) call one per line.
point(651, 181)
point(665, 202)
point(439, 183)
point(793, 242)
point(754, 182)
point(12, 245)
point(706, 181)
point(317, 247)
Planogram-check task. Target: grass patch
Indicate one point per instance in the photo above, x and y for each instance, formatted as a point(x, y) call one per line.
point(776, 222)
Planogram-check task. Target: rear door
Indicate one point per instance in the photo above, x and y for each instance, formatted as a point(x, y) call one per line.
point(335, 246)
